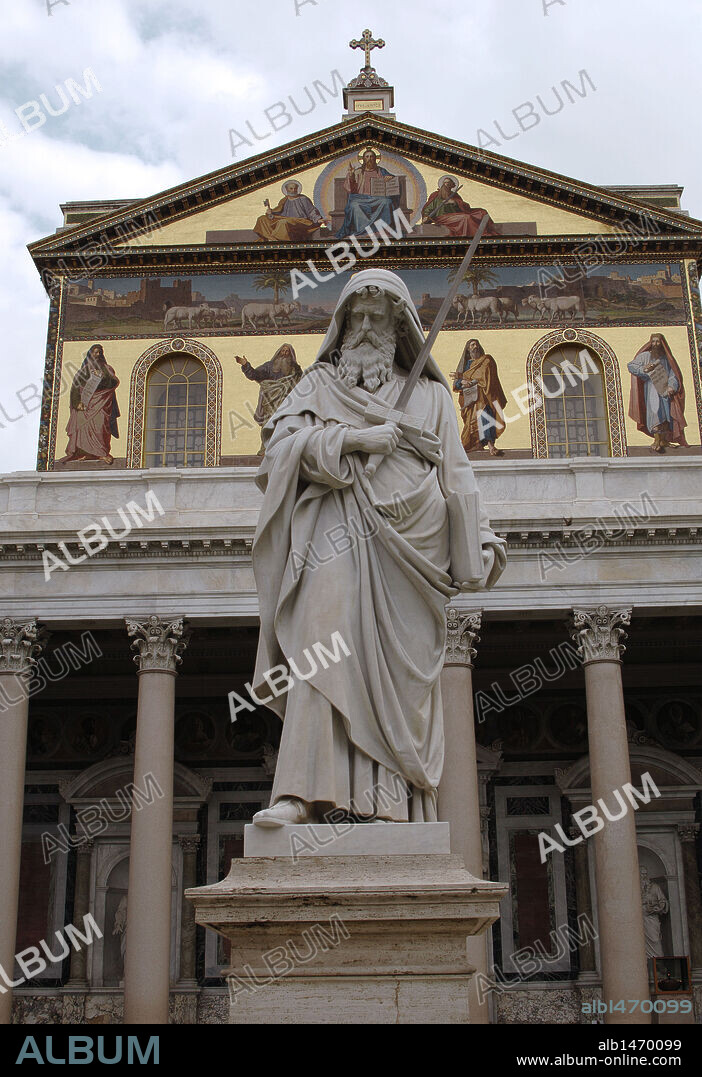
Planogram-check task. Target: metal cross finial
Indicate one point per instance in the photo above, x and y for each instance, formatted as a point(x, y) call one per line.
point(368, 44)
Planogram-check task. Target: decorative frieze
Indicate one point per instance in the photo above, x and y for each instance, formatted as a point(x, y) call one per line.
point(461, 635)
point(19, 645)
point(598, 633)
point(158, 643)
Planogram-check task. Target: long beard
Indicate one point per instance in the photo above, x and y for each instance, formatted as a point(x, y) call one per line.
point(367, 356)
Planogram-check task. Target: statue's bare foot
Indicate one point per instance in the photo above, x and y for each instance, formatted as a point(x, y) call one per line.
point(288, 810)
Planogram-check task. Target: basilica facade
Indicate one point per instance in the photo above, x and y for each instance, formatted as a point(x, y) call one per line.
point(177, 325)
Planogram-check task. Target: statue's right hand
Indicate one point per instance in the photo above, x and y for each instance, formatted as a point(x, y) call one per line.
point(241, 359)
point(382, 439)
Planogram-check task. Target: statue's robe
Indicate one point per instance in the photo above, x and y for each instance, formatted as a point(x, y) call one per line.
point(655, 905)
point(376, 714)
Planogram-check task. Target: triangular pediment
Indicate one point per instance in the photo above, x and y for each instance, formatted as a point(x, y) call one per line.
point(529, 206)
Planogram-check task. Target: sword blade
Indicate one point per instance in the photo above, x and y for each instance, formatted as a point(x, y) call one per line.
point(420, 361)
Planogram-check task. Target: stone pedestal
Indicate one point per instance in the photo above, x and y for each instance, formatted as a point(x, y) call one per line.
point(371, 939)
point(346, 839)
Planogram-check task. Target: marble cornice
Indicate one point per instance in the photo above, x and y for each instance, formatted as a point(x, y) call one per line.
point(494, 250)
point(188, 545)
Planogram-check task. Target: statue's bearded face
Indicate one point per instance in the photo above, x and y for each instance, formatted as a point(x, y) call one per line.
point(368, 347)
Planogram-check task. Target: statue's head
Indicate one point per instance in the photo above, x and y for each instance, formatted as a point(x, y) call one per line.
point(373, 319)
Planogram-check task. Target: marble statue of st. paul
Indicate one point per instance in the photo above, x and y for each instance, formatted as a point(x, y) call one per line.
point(362, 727)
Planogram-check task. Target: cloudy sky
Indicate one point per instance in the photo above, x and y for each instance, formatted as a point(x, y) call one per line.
point(175, 77)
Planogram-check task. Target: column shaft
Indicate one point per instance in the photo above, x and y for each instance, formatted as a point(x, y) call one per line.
point(687, 833)
point(147, 956)
point(189, 846)
point(583, 902)
point(459, 796)
point(148, 949)
point(17, 649)
point(81, 908)
point(13, 751)
point(620, 916)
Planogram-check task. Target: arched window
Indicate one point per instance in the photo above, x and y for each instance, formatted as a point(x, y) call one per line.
point(575, 411)
point(176, 413)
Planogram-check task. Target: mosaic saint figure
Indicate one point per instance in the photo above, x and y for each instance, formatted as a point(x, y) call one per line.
point(446, 207)
point(657, 399)
point(276, 378)
point(363, 734)
point(367, 201)
point(481, 399)
point(294, 218)
point(92, 421)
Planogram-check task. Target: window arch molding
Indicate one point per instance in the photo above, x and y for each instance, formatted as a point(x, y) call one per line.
point(614, 401)
point(137, 396)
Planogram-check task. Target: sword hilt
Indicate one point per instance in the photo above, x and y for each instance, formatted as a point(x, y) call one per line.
point(377, 415)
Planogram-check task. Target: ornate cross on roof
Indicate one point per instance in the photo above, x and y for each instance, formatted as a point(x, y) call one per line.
point(368, 44)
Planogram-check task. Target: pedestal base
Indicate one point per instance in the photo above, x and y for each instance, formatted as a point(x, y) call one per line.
point(373, 939)
point(346, 839)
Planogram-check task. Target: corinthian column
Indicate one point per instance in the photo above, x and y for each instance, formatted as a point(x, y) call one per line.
point(687, 833)
point(81, 908)
point(459, 791)
point(158, 644)
point(19, 647)
point(599, 635)
point(189, 843)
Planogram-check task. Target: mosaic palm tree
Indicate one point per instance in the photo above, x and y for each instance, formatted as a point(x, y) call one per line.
point(477, 276)
point(277, 279)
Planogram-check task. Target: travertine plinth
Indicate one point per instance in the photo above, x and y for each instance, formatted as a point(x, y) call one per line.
point(347, 839)
point(349, 939)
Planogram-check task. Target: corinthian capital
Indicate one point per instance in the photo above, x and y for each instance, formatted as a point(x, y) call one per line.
point(19, 645)
point(598, 634)
point(158, 644)
point(461, 633)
